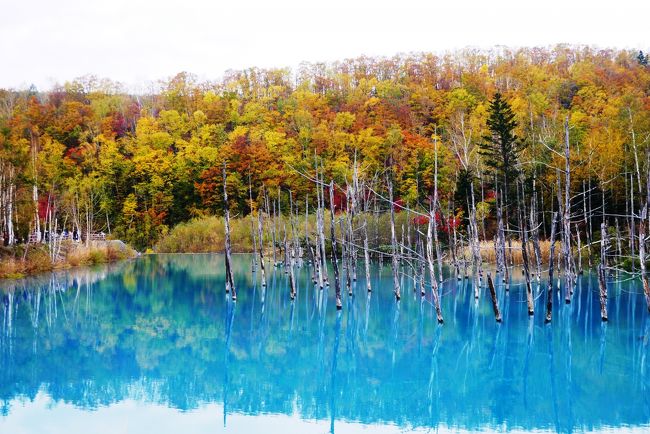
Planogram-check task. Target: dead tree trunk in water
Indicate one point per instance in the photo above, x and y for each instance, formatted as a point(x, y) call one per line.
point(631, 223)
point(253, 237)
point(420, 247)
point(453, 241)
point(551, 257)
point(393, 242)
point(350, 265)
point(335, 265)
point(366, 255)
point(566, 242)
point(579, 241)
point(432, 274)
point(493, 296)
point(524, 254)
point(587, 222)
point(602, 283)
point(345, 255)
point(474, 242)
point(644, 222)
point(644, 277)
point(535, 232)
point(565, 212)
point(275, 218)
point(285, 261)
point(502, 256)
point(318, 261)
point(260, 234)
point(434, 208)
point(230, 282)
point(320, 189)
point(292, 280)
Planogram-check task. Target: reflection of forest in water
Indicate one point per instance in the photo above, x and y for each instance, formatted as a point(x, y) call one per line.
point(159, 329)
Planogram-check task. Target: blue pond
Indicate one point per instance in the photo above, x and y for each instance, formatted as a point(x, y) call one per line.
point(153, 345)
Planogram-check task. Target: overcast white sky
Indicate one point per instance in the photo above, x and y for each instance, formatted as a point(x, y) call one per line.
point(134, 41)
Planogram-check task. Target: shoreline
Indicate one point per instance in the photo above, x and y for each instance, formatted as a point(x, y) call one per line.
point(16, 263)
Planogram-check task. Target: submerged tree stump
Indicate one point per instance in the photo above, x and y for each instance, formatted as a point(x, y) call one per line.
point(493, 296)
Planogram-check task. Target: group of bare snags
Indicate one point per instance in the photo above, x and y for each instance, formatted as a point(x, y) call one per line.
point(419, 256)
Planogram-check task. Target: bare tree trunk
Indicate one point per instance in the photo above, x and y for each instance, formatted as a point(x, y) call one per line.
point(493, 296)
point(37, 220)
point(436, 206)
point(566, 220)
point(7, 200)
point(318, 260)
point(642, 257)
point(335, 265)
point(323, 256)
point(632, 228)
point(619, 247)
point(350, 266)
point(393, 242)
point(297, 254)
point(261, 247)
point(551, 257)
point(366, 255)
point(230, 281)
point(432, 274)
point(642, 226)
point(451, 221)
point(273, 235)
point(602, 283)
point(579, 249)
point(524, 255)
point(289, 265)
point(587, 230)
point(566, 243)
point(345, 255)
point(285, 261)
point(253, 237)
point(534, 222)
point(475, 243)
point(502, 257)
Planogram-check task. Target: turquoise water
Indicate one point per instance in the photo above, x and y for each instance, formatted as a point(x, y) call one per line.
point(153, 345)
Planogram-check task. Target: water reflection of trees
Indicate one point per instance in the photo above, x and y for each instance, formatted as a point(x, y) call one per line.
point(156, 330)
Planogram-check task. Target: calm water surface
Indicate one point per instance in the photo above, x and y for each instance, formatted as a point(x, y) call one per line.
point(153, 345)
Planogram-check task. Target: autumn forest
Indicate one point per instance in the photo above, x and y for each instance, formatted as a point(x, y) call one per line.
point(89, 156)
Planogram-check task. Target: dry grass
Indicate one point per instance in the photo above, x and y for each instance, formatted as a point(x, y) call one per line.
point(489, 255)
point(16, 263)
point(206, 234)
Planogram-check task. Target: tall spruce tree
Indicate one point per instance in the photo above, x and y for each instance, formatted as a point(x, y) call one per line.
point(502, 147)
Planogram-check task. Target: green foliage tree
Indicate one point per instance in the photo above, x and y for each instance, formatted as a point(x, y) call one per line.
point(502, 147)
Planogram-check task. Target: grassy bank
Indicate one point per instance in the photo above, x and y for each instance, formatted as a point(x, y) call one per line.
point(206, 234)
point(22, 260)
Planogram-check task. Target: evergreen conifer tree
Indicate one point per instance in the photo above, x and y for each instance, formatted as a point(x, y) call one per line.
point(502, 147)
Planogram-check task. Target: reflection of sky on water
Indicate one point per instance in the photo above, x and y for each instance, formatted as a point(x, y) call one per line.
point(153, 343)
point(118, 418)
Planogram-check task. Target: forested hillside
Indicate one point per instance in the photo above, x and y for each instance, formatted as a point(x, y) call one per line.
point(90, 157)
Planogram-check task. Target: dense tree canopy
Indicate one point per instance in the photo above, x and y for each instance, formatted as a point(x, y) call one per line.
point(137, 164)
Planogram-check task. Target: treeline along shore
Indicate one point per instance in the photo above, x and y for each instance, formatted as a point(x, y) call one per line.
point(474, 155)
